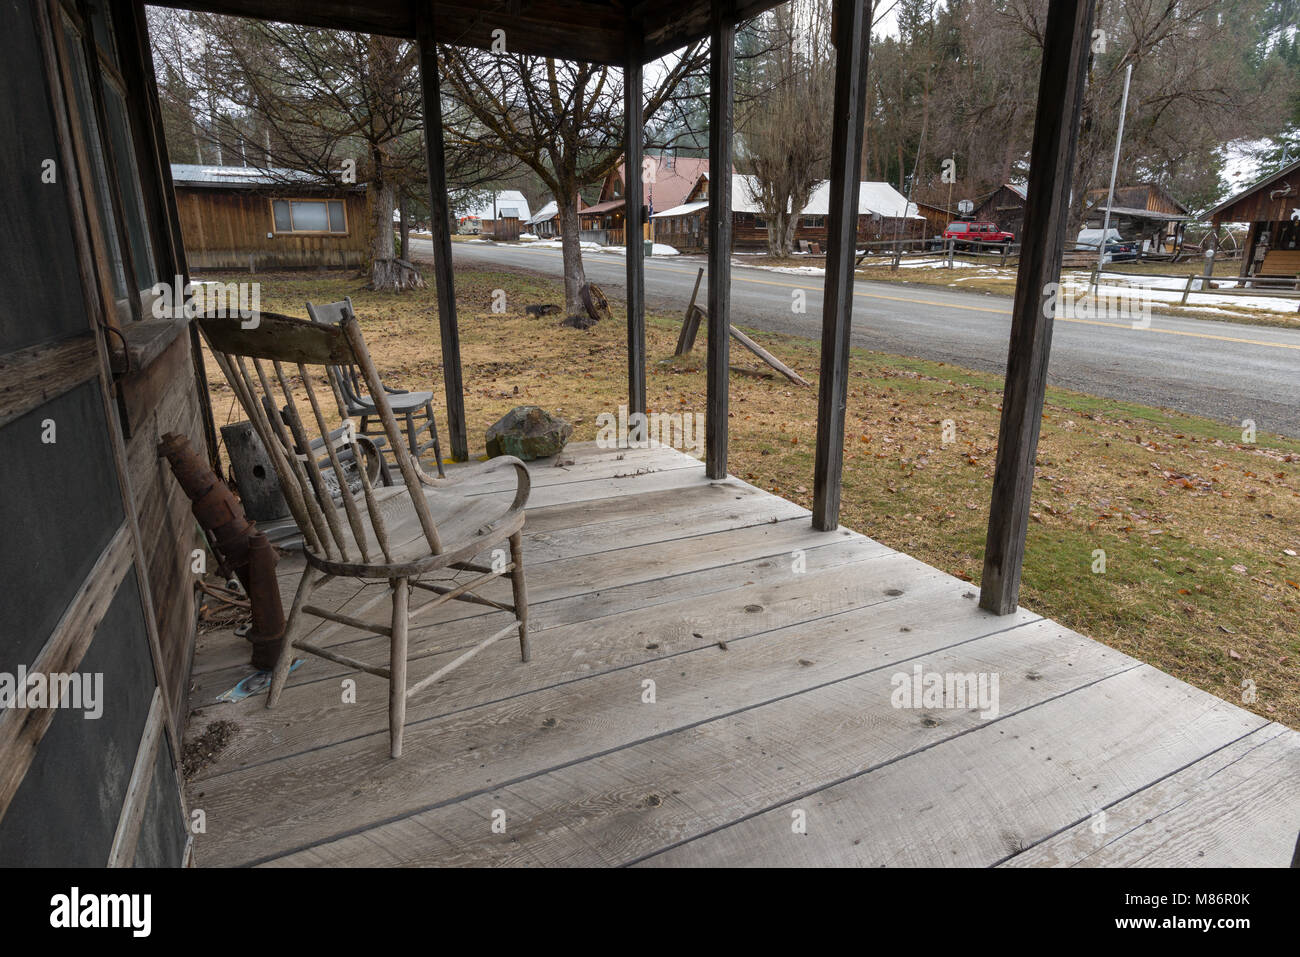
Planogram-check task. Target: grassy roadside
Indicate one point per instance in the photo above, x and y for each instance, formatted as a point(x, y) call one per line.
point(1199, 529)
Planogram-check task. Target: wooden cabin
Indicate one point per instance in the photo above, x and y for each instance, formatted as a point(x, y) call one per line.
point(937, 218)
point(1145, 212)
point(236, 217)
point(673, 179)
point(1005, 206)
point(499, 214)
point(1272, 208)
point(883, 214)
point(99, 539)
point(545, 223)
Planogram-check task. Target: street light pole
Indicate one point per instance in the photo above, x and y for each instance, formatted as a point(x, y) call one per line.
point(1114, 170)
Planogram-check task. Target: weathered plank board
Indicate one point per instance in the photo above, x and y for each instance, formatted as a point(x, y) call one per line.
point(573, 651)
point(1237, 807)
point(619, 806)
point(450, 756)
point(981, 798)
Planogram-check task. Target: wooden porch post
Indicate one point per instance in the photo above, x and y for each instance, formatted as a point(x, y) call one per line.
point(852, 37)
point(633, 133)
point(440, 227)
point(1056, 133)
point(722, 54)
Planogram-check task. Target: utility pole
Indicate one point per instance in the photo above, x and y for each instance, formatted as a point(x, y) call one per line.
point(1114, 170)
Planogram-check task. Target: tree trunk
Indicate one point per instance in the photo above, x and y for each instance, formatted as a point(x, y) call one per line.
point(787, 237)
point(387, 272)
point(574, 276)
point(404, 226)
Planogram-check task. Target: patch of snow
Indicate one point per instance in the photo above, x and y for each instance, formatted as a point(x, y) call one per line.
point(1170, 290)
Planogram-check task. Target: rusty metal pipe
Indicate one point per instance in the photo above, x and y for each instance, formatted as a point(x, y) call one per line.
point(240, 547)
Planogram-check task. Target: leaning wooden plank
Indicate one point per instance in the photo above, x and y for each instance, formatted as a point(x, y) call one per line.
point(624, 634)
point(981, 798)
point(293, 802)
point(622, 805)
point(1237, 807)
point(767, 357)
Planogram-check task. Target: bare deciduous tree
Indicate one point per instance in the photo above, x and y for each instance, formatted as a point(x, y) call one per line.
point(785, 134)
point(562, 120)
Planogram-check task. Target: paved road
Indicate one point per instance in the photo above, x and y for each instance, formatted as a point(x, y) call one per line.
point(1225, 371)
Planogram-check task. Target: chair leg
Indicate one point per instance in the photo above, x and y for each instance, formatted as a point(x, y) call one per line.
point(397, 666)
point(412, 439)
point(521, 595)
point(280, 673)
point(437, 447)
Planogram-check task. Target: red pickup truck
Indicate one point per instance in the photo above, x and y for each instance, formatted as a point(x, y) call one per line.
point(970, 235)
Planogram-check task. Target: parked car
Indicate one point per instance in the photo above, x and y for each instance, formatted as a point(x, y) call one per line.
point(1117, 250)
point(969, 235)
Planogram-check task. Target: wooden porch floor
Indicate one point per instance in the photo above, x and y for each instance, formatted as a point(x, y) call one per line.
point(772, 696)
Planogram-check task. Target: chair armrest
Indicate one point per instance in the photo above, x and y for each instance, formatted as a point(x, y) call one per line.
point(523, 480)
point(392, 391)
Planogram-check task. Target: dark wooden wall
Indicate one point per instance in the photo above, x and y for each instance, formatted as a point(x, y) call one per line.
point(224, 227)
point(158, 399)
point(95, 541)
point(1005, 208)
point(748, 234)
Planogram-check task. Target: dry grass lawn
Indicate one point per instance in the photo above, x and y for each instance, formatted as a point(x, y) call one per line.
point(1200, 529)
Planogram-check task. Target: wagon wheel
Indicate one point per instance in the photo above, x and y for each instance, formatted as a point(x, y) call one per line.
point(594, 301)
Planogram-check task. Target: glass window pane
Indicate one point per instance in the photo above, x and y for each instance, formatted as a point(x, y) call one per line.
point(102, 29)
point(281, 210)
point(337, 222)
point(310, 217)
point(90, 133)
point(128, 178)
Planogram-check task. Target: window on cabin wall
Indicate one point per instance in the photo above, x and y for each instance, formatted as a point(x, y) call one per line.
point(309, 216)
point(99, 93)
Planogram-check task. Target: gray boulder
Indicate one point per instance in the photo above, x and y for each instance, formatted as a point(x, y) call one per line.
point(528, 432)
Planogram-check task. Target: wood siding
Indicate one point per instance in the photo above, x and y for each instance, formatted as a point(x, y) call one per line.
point(1005, 207)
point(749, 234)
point(224, 228)
point(161, 398)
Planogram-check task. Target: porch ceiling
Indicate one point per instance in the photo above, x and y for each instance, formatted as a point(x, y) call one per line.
point(592, 30)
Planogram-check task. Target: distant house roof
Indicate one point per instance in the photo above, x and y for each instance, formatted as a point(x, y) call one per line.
point(872, 198)
point(502, 203)
point(193, 174)
point(605, 207)
point(683, 210)
point(545, 214)
point(674, 178)
point(1135, 213)
point(1291, 175)
point(1142, 200)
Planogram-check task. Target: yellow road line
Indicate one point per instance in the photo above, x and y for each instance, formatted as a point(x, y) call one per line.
point(1002, 312)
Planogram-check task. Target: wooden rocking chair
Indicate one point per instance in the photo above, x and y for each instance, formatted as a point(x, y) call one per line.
point(397, 534)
